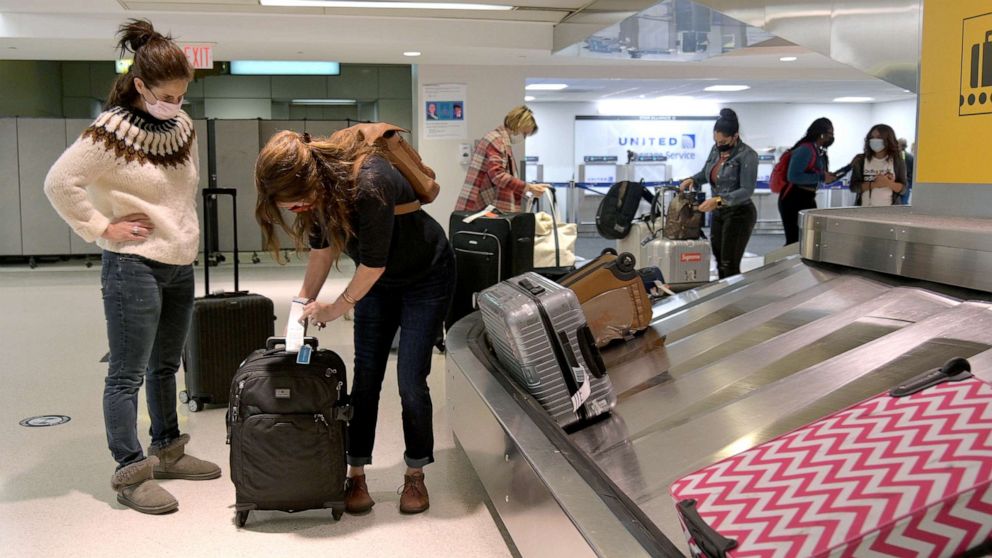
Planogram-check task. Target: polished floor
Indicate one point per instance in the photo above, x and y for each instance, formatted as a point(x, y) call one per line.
point(55, 496)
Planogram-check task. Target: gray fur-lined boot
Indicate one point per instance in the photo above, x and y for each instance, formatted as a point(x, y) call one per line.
point(136, 489)
point(175, 463)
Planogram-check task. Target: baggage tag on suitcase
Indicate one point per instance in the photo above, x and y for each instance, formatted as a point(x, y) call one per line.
point(296, 328)
point(585, 390)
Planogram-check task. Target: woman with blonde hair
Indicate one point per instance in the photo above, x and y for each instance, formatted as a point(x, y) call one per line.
point(492, 176)
point(129, 183)
point(348, 198)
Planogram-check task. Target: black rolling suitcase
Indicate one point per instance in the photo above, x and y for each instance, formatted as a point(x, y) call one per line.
point(226, 328)
point(488, 249)
point(286, 428)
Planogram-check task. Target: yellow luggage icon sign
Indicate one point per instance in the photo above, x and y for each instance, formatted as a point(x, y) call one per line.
point(976, 66)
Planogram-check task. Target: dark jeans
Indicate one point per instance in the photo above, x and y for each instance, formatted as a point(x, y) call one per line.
point(148, 306)
point(418, 311)
point(730, 232)
point(789, 206)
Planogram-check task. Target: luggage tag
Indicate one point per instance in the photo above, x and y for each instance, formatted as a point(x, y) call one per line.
point(296, 328)
point(585, 390)
point(303, 357)
point(488, 209)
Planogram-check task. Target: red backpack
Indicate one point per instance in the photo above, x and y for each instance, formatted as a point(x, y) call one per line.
point(779, 181)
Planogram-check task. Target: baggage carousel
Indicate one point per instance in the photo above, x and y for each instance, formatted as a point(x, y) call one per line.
point(722, 368)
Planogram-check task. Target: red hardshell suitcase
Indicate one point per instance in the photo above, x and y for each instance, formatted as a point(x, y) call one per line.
point(905, 473)
point(225, 329)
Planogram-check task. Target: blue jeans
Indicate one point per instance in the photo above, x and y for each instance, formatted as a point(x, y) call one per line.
point(148, 306)
point(418, 311)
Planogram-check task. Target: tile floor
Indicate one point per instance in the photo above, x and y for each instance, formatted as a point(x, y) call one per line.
point(55, 496)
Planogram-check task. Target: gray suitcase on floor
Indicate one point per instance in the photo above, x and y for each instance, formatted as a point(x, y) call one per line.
point(540, 335)
point(680, 261)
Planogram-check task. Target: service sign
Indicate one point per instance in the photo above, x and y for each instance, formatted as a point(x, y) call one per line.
point(685, 141)
point(200, 55)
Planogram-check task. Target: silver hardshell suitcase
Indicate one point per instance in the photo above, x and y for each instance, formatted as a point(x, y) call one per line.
point(540, 335)
point(680, 261)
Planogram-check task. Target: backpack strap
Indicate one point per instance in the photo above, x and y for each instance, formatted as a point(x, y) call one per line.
point(809, 167)
point(406, 208)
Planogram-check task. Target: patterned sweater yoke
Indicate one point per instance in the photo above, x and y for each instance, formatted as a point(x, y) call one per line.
point(132, 138)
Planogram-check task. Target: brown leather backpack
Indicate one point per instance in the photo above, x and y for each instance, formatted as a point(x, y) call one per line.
point(401, 154)
point(684, 221)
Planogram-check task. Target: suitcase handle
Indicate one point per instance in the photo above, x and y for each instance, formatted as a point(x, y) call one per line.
point(954, 370)
point(713, 544)
point(209, 200)
point(531, 287)
point(272, 343)
point(590, 352)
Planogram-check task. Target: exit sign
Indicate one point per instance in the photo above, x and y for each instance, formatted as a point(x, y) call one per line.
point(201, 56)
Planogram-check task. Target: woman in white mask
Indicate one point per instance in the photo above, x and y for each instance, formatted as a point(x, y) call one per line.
point(492, 176)
point(878, 175)
point(129, 183)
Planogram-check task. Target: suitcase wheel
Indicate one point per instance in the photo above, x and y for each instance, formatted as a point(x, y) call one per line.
point(626, 262)
point(195, 405)
point(337, 514)
point(184, 397)
point(241, 517)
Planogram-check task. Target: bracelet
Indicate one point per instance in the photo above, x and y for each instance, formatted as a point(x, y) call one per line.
point(347, 298)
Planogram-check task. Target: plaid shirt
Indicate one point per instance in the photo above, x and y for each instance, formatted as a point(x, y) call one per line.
point(491, 177)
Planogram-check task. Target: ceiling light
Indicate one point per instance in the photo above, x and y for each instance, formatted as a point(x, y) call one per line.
point(788, 59)
point(727, 88)
point(854, 99)
point(389, 5)
point(546, 86)
point(529, 98)
point(284, 68)
point(331, 102)
point(412, 53)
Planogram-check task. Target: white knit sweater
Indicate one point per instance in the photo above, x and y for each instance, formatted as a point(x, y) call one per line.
point(124, 164)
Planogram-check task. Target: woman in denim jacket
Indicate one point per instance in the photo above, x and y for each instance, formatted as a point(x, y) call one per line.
point(731, 169)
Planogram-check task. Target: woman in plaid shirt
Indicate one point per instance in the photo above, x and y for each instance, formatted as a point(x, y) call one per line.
point(491, 177)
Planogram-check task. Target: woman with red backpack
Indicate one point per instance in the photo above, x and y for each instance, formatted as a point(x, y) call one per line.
point(808, 164)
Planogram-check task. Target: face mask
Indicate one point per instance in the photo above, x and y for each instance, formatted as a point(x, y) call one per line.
point(516, 138)
point(723, 148)
point(161, 109)
point(876, 144)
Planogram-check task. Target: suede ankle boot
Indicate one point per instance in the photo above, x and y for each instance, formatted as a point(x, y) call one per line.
point(136, 489)
point(357, 499)
point(414, 498)
point(175, 463)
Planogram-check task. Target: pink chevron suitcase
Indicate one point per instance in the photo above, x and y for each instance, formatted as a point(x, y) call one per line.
point(905, 473)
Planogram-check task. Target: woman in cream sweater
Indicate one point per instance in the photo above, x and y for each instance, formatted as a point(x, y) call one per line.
point(129, 184)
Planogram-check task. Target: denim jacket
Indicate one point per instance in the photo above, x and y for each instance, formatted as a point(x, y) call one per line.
point(736, 179)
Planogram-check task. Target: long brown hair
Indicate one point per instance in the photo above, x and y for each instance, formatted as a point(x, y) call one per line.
point(157, 59)
point(892, 149)
point(292, 168)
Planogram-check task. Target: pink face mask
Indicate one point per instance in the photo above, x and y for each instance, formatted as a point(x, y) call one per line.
point(161, 109)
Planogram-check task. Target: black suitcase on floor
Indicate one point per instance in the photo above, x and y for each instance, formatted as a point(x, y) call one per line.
point(226, 327)
point(286, 428)
point(487, 250)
